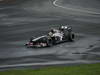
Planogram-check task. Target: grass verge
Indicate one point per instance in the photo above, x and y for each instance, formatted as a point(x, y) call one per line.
point(86, 69)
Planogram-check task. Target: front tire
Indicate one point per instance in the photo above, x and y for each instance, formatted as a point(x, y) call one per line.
point(49, 43)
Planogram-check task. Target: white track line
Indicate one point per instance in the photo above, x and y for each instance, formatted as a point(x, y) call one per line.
point(49, 63)
point(80, 10)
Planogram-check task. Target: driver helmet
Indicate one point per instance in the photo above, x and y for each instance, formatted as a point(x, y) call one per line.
point(53, 30)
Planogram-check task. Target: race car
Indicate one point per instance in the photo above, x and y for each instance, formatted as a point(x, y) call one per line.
point(55, 36)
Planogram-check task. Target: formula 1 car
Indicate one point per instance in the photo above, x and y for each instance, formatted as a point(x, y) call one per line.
point(55, 36)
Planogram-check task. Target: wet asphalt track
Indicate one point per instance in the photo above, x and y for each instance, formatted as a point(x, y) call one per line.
point(20, 21)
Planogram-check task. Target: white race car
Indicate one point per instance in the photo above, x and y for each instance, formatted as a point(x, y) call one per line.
point(55, 36)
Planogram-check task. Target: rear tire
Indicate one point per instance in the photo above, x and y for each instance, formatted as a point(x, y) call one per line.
point(71, 36)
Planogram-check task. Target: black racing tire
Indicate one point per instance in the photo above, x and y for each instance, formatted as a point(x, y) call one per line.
point(71, 36)
point(49, 42)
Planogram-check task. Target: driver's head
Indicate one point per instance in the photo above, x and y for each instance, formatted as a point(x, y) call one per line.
point(52, 30)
